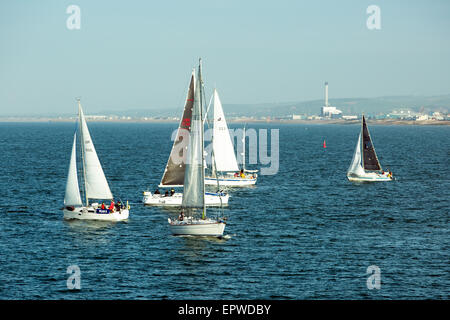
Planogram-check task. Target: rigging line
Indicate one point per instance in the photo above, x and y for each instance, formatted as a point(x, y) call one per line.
point(181, 94)
point(209, 105)
point(200, 78)
point(213, 163)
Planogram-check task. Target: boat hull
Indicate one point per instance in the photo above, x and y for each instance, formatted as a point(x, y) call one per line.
point(369, 177)
point(231, 181)
point(211, 199)
point(205, 228)
point(83, 213)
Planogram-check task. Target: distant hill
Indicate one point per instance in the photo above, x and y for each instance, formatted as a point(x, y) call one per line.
point(370, 106)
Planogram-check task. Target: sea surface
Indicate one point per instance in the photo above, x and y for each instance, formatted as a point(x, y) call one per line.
point(303, 233)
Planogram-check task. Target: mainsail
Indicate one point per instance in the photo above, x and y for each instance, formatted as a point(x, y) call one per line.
point(174, 173)
point(370, 159)
point(96, 185)
point(194, 178)
point(72, 196)
point(222, 144)
point(355, 167)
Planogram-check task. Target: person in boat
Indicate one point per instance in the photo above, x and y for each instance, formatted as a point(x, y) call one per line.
point(103, 206)
point(236, 174)
point(118, 205)
point(181, 217)
point(390, 174)
point(242, 173)
point(172, 192)
point(111, 206)
point(166, 194)
point(157, 191)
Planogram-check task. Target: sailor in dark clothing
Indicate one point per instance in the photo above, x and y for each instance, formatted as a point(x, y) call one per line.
point(172, 192)
point(157, 191)
point(166, 194)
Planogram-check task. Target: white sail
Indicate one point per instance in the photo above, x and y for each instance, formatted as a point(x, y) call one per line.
point(222, 144)
point(356, 167)
point(194, 178)
point(95, 181)
point(72, 196)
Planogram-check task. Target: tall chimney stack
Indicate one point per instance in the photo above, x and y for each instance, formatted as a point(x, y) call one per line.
point(326, 94)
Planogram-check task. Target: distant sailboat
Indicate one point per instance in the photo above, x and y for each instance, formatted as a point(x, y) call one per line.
point(226, 170)
point(193, 220)
point(365, 165)
point(173, 176)
point(94, 181)
point(324, 144)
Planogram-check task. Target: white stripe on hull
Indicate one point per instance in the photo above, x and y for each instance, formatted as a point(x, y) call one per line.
point(87, 214)
point(230, 182)
point(176, 199)
point(368, 179)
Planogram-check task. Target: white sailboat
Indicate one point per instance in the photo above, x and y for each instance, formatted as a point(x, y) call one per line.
point(365, 166)
point(226, 170)
point(173, 176)
point(193, 220)
point(94, 181)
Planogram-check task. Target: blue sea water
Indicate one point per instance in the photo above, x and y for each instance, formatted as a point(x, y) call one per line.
point(304, 233)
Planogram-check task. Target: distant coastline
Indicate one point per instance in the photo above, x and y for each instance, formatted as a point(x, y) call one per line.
point(240, 120)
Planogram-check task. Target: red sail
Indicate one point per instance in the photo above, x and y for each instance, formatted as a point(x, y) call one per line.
point(174, 173)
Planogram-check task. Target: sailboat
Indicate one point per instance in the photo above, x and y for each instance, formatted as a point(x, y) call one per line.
point(173, 176)
point(94, 182)
point(193, 202)
point(365, 165)
point(226, 170)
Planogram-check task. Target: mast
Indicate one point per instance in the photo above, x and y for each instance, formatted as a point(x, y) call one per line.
point(361, 140)
point(82, 152)
point(243, 150)
point(201, 134)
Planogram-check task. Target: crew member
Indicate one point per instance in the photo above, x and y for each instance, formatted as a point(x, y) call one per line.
point(111, 207)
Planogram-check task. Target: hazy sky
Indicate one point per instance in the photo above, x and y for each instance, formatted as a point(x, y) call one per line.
point(139, 54)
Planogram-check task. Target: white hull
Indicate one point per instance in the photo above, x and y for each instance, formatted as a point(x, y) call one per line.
point(211, 199)
point(197, 227)
point(369, 177)
point(231, 181)
point(83, 213)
